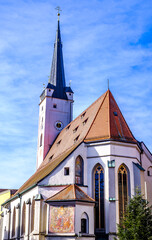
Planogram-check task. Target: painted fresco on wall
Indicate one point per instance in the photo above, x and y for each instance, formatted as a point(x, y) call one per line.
point(61, 219)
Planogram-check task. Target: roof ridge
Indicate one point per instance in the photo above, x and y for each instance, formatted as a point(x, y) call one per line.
point(109, 114)
point(97, 112)
point(123, 117)
point(74, 191)
point(76, 186)
point(58, 192)
point(85, 110)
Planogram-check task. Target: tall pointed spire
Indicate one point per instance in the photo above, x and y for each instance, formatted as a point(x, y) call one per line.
point(57, 77)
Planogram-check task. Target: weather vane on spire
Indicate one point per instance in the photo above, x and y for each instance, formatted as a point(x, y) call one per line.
point(59, 10)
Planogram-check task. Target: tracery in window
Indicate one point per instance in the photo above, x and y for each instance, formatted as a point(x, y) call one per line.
point(99, 196)
point(14, 222)
point(122, 190)
point(79, 170)
point(23, 219)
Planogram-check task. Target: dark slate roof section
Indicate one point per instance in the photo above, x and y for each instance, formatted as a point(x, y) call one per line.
point(68, 89)
point(57, 77)
point(139, 166)
point(51, 86)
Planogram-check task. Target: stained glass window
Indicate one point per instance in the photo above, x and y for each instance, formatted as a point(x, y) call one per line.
point(79, 170)
point(122, 190)
point(99, 196)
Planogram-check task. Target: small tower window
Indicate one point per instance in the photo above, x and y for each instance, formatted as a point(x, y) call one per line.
point(42, 108)
point(41, 140)
point(54, 105)
point(66, 171)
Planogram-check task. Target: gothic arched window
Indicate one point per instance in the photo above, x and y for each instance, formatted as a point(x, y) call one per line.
point(23, 219)
point(99, 196)
point(32, 215)
point(122, 190)
point(79, 170)
point(14, 222)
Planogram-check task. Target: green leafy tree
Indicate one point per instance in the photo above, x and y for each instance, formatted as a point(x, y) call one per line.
point(137, 222)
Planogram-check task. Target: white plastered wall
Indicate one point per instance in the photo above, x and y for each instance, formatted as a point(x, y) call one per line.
point(79, 210)
point(57, 177)
point(19, 201)
point(146, 159)
point(122, 153)
point(50, 115)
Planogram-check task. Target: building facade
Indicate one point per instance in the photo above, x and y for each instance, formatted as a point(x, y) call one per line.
point(87, 169)
point(5, 194)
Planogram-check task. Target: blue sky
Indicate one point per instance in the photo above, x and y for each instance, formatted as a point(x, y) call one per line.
point(101, 40)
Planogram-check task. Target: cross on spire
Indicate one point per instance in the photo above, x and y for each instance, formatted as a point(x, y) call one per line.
point(59, 10)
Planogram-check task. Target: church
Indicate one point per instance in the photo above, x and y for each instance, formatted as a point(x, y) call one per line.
point(87, 168)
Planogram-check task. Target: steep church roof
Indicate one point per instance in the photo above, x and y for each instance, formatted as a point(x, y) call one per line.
point(70, 193)
point(101, 121)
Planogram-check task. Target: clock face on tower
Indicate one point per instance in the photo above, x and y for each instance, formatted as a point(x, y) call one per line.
point(59, 125)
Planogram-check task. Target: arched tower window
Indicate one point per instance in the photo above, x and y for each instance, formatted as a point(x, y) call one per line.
point(79, 170)
point(23, 219)
point(41, 140)
point(32, 215)
point(84, 223)
point(14, 222)
point(99, 196)
point(122, 190)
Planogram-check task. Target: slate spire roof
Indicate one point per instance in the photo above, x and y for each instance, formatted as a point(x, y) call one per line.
point(57, 76)
point(102, 121)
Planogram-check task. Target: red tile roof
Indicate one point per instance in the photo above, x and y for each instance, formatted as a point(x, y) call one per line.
point(103, 120)
point(70, 193)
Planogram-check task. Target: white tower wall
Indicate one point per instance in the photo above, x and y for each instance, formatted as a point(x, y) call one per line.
point(52, 111)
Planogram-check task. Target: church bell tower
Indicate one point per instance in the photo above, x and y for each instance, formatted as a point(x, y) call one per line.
point(56, 103)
